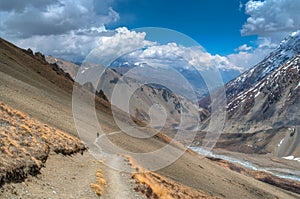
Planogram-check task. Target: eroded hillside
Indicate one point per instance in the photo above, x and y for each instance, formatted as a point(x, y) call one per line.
point(25, 144)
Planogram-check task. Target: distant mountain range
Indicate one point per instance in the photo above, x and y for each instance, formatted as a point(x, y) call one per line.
point(197, 78)
point(145, 103)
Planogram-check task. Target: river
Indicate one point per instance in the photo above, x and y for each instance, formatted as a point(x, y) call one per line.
point(246, 164)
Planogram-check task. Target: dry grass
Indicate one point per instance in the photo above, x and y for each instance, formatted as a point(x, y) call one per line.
point(155, 186)
point(25, 144)
point(98, 186)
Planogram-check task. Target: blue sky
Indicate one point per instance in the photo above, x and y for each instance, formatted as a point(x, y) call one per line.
point(215, 24)
point(235, 34)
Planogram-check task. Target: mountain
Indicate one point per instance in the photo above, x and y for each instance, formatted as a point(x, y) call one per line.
point(263, 104)
point(66, 66)
point(287, 49)
point(167, 104)
point(39, 95)
point(37, 129)
point(198, 79)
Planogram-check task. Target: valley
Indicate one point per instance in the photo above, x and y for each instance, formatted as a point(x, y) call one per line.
point(130, 99)
point(45, 94)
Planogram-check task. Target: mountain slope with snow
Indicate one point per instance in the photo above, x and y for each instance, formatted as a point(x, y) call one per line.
point(265, 102)
point(263, 105)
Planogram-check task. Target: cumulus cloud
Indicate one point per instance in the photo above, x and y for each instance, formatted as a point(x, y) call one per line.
point(247, 60)
point(244, 47)
point(19, 6)
point(71, 29)
point(272, 21)
point(271, 16)
point(28, 18)
point(195, 56)
point(68, 29)
point(73, 46)
point(248, 57)
point(174, 55)
point(111, 48)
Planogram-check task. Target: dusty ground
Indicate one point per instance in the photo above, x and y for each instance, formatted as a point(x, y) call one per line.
point(69, 180)
point(120, 184)
point(33, 165)
point(154, 185)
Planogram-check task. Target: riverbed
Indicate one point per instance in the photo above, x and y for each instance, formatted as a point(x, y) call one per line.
point(246, 164)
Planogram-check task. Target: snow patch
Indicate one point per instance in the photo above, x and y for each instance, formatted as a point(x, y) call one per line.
point(291, 157)
point(257, 94)
point(280, 142)
point(294, 34)
point(297, 85)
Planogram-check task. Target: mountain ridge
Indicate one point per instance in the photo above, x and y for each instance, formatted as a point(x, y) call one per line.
point(288, 48)
point(262, 104)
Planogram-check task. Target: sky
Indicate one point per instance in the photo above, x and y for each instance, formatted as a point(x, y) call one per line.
point(215, 24)
point(232, 34)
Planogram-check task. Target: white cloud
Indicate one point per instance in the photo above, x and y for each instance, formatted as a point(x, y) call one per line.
point(29, 18)
point(266, 43)
point(247, 57)
point(68, 29)
point(97, 43)
point(171, 54)
point(111, 48)
point(73, 46)
point(244, 47)
point(270, 17)
point(272, 21)
point(246, 60)
point(18, 6)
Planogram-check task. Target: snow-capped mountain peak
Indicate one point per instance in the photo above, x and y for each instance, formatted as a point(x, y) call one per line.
point(287, 49)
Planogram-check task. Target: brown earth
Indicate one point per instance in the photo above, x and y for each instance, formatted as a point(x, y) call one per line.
point(155, 186)
point(25, 144)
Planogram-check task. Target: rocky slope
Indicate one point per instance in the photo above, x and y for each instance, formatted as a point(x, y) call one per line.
point(25, 144)
point(141, 100)
point(287, 49)
point(66, 66)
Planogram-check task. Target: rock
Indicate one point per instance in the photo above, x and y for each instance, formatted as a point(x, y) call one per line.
point(40, 57)
point(30, 51)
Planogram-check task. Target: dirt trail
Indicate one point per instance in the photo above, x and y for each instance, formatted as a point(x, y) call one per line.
point(120, 184)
